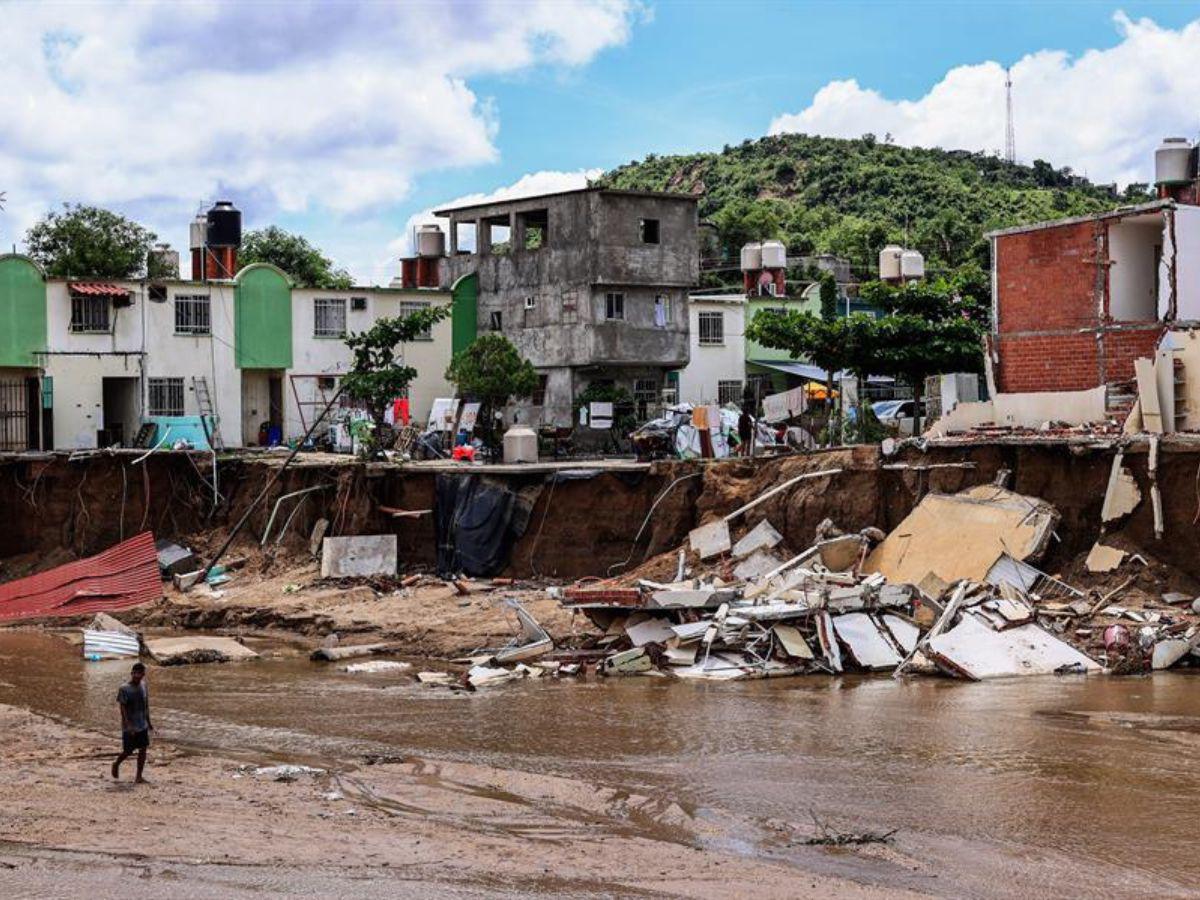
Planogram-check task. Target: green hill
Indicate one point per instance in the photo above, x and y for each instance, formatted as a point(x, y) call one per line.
point(851, 197)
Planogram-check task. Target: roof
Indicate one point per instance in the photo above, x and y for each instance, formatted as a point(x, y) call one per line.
point(120, 577)
point(809, 371)
point(97, 288)
point(512, 201)
point(1121, 212)
point(717, 298)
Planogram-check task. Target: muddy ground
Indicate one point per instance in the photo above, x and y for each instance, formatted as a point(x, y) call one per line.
point(208, 826)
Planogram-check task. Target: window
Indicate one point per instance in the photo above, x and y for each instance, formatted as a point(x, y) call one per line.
point(662, 310)
point(649, 231)
point(496, 320)
point(89, 314)
point(645, 395)
point(358, 304)
point(729, 392)
point(407, 308)
point(329, 317)
point(530, 302)
point(157, 293)
point(539, 393)
point(614, 306)
point(192, 314)
point(166, 397)
point(711, 328)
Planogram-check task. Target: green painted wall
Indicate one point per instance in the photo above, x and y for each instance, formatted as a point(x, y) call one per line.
point(262, 334)
point(464, 316)
point(22, 311)
point(754, 350)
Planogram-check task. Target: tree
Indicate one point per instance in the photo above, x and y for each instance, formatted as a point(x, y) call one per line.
point(742, 221)
point(828, 293)
point(376, 377)
point(87, 241)
point(931, 327)
point(307, 266)
point(492, 371)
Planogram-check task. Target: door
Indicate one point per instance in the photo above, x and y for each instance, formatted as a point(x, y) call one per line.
point(15, 415)
point(122, 416)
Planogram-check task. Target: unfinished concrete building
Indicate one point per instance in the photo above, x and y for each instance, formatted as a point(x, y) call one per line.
point(590, 285)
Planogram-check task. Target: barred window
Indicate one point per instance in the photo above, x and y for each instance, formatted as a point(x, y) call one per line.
point(712, 328)
point(89, 313)
point(329, 317)
point(614, 306)
point(729, 392)
point(192, 314)
point(539, 393)
point(407, 308)
point(166, 397)
point(646, 396)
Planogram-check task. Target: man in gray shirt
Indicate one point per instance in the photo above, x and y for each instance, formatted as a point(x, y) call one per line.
point(134, 703)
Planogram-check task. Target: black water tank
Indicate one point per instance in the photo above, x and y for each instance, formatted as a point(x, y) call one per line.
point(224, 225)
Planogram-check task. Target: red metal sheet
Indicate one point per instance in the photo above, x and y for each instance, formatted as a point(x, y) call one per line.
point(98, 289)
point(120, 577)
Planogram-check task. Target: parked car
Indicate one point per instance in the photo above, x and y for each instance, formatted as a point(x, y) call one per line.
point(897, 415)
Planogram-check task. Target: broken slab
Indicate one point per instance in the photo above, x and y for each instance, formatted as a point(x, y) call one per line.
point(358, 556)
point(867, 644)
point(1167, 653)
point(197, 649)
point(1104, 559)
point(1122, 495)
point(533, 641)
point(841, 554)
point(649, 631)
point(331, 654)
point(792, 642)
point(373, 666)
point(629, 662)
point(762, 536)
point(711, 540)
point(957, 536)
point(903, 632)
point(973, 650)
point(756, 566)
point(689, 598)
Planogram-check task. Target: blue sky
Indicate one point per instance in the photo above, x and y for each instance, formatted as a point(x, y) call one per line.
point(346, 122)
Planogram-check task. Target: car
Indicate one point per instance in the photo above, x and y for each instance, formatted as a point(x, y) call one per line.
point(897, 415)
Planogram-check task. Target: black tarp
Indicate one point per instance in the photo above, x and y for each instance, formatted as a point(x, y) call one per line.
point(478, 520)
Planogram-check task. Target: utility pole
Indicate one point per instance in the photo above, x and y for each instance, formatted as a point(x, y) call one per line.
point(1010, 138)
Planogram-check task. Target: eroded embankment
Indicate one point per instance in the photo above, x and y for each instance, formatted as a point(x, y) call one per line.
point(58, 508)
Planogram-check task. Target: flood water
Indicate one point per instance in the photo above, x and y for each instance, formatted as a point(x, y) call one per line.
point(1073, 786)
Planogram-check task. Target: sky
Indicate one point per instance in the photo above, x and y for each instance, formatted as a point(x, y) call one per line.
point(347, 121)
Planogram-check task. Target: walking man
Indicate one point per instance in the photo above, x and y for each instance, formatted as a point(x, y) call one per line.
point(134, 703)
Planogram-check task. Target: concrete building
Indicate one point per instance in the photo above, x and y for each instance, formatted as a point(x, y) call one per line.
point(590, 285)
point(716, 369)
point(85, 363)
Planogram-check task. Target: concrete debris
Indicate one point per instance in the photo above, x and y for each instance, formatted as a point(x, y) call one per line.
point(532, 642)
point(759, 563)
point(286, 773)
point(711, 540)
point(197, 649)
point(1122, 495)
point(373, 666)
point(762, 536)
point(1104, 559)
point(958, 536)
point(107, 638)
point(974, 650)
point(359, 556)
point(337, 652)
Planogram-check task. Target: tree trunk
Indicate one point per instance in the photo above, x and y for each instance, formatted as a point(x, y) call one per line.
point(918, 384)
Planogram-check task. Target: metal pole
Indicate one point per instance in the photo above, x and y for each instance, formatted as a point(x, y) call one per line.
point(266, 488)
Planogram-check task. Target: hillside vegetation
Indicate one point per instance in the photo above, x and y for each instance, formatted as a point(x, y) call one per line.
point(851, 197)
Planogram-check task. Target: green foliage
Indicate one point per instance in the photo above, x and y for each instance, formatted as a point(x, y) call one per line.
point(850, 197)
point(376, 377)
point(86, 241)
point(491, 371)
point(305, 264)
point(829, 296)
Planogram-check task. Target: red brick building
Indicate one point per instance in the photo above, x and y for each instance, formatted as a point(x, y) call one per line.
point(1075, 302)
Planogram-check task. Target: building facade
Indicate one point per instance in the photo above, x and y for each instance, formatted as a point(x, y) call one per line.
point(590, 285)
point(85, 363)
point(716, 369)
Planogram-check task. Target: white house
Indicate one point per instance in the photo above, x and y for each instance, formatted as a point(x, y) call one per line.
point(85, 363)
point(716, 370)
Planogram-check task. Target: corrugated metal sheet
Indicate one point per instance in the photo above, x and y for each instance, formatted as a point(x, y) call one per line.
point(109, 644)
point(120, 577)
point(98, 289)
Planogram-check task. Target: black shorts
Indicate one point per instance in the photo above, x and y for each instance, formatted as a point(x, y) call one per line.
point(134, 740)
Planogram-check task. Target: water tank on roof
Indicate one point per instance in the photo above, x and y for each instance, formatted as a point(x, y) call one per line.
point(889, 262)
point(431, 241)
point(1174, 161)
point(224, 225)
point(912, 264)
point(774, 255)
point(751, 256)
point(197, 232)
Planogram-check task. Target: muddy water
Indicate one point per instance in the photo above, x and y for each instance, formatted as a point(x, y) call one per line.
point(1057, 786)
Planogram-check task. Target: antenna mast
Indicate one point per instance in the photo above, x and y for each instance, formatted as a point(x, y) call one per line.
point(1010, 138)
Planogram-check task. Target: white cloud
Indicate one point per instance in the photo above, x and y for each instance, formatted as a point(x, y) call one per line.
point(1101, 113)
point(305, 108)
point(532, 185)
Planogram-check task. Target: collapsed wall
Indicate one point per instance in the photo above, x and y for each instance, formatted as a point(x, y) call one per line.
point(57, 508)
